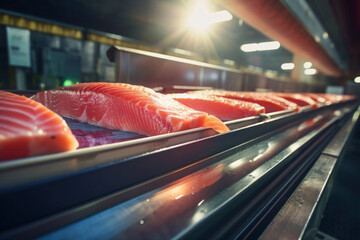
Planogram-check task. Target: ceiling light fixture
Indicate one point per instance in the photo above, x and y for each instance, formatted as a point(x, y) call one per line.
point(262, 46)
point(287, 66)
point(307, 64)
point(310, 71)
point(200, 18)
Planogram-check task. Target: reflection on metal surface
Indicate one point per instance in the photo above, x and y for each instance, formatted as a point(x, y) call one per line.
point(165, 212)
point(193, 183)
point(293, 219)
point(201, 202)
point(335, 147)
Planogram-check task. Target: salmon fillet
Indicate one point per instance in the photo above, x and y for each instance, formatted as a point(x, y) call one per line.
point(300, 99)
point(317, 98)
point(223, 108)
point(126, 107)
point(270, 103)
point(27, 129)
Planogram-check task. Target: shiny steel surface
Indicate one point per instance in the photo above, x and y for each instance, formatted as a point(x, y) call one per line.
point(336, 146)
point(294, 217)
point(170, 211)
point(20, 171)
point(244, 160)
point(300, 217)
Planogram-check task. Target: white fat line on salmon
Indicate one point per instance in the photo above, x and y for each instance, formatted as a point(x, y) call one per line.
point(146, 107)
point(17, 121)
point(48, 119)
point(30, 116)
point(17, 103)
point(179, 125)
point(83, 116)
point(15, 130)
point(158, 113)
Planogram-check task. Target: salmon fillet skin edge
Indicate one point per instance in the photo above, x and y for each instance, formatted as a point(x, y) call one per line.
point(27, 128)
point(126, 107)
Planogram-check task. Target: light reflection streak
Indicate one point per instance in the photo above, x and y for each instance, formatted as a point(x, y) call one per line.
point(237, 163)
point(178, 197)
point(198, 216)
point(193, 183)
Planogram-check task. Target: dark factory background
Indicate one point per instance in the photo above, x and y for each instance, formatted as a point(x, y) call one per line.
point(69, 39)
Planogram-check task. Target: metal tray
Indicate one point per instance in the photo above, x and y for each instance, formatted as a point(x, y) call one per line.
point(87, 174)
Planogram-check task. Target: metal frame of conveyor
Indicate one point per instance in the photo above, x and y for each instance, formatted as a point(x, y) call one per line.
point(194, 183)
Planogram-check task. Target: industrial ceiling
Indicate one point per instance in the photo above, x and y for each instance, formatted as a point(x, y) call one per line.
point(159, 23)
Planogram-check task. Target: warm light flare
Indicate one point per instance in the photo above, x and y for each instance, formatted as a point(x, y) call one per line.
point(200, 18)
point(220, 16)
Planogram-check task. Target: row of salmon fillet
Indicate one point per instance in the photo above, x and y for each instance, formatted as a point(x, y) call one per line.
point(31, 127)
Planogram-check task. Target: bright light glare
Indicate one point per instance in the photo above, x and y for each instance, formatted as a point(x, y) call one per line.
point(220, 16)
point(201, 18)
point(357, 79)
point(310, 71)
point(262, 46)
point(307, 64)
point(287, 66)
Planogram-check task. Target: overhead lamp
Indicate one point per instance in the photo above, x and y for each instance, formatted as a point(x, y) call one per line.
point(261, 46)
point(307, 64)
point(357, 79)
point(220, 16)
point(310, 71)
point(287, 66)
point(200, 18)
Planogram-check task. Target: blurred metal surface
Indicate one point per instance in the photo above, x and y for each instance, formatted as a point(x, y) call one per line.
point(300, 217)
point(234, 168)
point(22, 171)
point(294, 218)
point(192, 205)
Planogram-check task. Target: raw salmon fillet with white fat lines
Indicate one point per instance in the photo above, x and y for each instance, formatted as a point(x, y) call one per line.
point(223, 108)
point(126, 107)
point(27, 129)
point(271, 104)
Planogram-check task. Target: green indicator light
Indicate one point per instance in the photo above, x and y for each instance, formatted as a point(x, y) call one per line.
point(68, 82)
